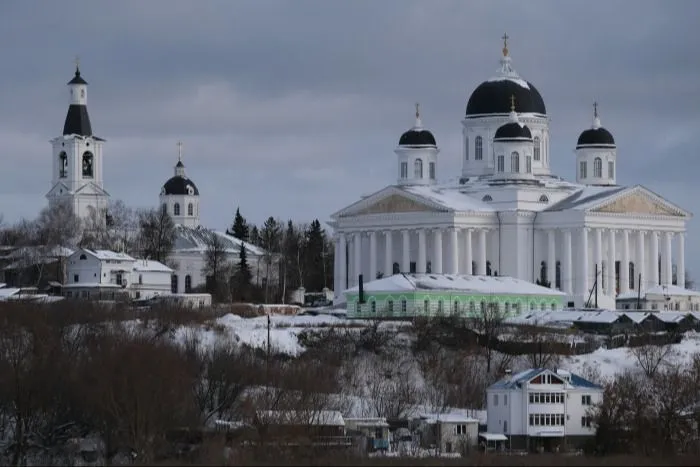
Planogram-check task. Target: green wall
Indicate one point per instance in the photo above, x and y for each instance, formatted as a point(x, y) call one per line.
point(409, 304)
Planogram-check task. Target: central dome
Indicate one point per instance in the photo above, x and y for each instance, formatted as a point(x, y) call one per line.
point(494, 97)
point(179, 185)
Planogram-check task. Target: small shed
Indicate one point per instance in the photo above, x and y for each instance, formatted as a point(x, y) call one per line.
point(448, 432)
point(490, 442)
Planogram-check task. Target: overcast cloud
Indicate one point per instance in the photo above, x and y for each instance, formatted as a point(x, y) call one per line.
point(293, 108)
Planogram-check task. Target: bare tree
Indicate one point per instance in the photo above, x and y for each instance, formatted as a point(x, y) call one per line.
point(651, 357)
point(489, 324)
point(217, 266)
point(391, 386)
point(540, 344)
point(110, 228)
point(156, 236)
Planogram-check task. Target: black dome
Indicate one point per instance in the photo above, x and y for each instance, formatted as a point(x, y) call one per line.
point(494, 97)
point(596, 137)
point(417, 137)
point(513, 130)
point(179, 185)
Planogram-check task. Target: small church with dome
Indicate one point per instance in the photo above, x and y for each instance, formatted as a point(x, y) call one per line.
point(507, 214)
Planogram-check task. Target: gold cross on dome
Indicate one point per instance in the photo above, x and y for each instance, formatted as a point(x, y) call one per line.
point(512, 103)
point(505, 44)
point(179, 151)
point(595, 110)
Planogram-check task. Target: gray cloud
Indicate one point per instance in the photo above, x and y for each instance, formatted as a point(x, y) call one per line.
point(293, 108)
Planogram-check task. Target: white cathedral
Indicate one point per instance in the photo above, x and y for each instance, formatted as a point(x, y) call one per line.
point(77, 180)
point(508, 214)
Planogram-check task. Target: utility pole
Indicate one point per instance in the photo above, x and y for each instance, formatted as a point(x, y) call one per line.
point(596, 286)
point(267, 362)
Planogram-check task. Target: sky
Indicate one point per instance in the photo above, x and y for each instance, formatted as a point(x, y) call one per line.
point(292, 109)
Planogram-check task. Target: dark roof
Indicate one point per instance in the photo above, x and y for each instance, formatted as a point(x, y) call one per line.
point(513, 131)
point(177, 185)
point(596, 137)
point(417, 137)
point(77, 79)
point(77, 121)
point(494, 97)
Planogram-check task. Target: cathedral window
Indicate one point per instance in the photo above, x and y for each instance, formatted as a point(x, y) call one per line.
point(431, 168)
point(611, 169)
point(63, 164)
point(557, 276)
point(631, 278)
point(528, 164)
point(501, 163)
point(536, 150)
point(466, 149)
point(396, 269)
point(188, 283)
point(598, 167)
point(88, 160)
point(173, 283)
point(176, 209)
point(404, 170)
point(478, 148)
point(582, 169)
point(544, 199)
point(418, 168)
point(190, 209)
point(515, 162)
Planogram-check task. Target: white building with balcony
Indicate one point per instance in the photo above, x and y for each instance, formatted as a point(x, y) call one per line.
point(507, 214)
point(109, 275)
point(540, 409)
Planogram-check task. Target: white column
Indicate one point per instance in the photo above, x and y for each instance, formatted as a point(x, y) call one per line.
point(598, 257)
point(437, 252)
point(468, 251)
point(551, 258)
point(568, 264)
point(421, 263)
point(342, 268)
point(640, 268)
point(625, 263)
point(611, 286)
point(680, 261)
point(406, 256)
point(357, 264)
point(654, 259)
point(453, 267)
point(372, 256)
point(583, 258)
point(481, 262)
point(388, 253)
point(668, 258)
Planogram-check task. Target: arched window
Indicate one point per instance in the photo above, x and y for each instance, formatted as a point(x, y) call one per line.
point(431, 169)
point(543, 272)
point(63, 165)
point(404, 170)
point(486, 198)
point(611, 169)
point(418, 168)
point(396, 269)
point(544, 199)
point(466, 149)
point(536, 150)
point(88, 160)
point(478, 148)
point(488, 268)
point(631, 284)
point(188, 283)
point(582, 171)
point(173, 283)
point(176, 209)
point(83, 256)
point(598, 167)
point(528, 164)
point(515, 162)
point(501, 162)
point(190, 209)
point(557, 276)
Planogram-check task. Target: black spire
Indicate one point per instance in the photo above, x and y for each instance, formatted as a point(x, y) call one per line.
point(77, 119)
point(77, 79)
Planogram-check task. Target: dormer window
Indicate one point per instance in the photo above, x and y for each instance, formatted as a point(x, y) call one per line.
point(544, 199)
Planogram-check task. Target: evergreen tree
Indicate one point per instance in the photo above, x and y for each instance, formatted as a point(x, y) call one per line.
point(315, 246)
point(243, 276)
point(240, 228)
point(254, 236)
point(270, 241)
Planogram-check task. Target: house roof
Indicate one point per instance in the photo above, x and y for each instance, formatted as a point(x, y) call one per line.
point(195, 239)
point(663, 290)
point(517, 380)
point(148, 265)
point(103, 255)
point(294, 417)
point(458, 283)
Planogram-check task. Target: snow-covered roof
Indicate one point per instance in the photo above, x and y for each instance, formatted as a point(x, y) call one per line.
point(148, 265)
point(92, 285)
point(56, 251)
point(570, 317)
point(449, 417)
point(195, 239)
point(585, 198)
point(104, 255)
point(662, 290)
point(293, 417)
point(493, 436)
point(450, 198)
point(8, 292)
point(517, 380)
point(457, 282)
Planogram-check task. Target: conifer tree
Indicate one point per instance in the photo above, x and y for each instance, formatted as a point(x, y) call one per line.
point(239, 229)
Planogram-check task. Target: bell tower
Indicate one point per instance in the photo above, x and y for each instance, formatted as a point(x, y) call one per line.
point(76, 176)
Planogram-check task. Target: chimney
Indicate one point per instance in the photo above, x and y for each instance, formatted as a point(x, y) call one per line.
point(361, 288)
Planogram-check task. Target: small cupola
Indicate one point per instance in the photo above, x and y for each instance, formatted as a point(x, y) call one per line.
point(596, 154)
point(417, 155)
point(513, 147)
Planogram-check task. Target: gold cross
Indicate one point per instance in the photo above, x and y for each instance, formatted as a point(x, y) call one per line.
point(505, 44)
point(512, 103)
point(595, 110)
point(179, 151)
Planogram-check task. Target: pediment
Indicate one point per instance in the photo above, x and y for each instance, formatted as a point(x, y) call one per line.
point(394, 203)
point(638, 203)
point(90, 189)
point(59, 189)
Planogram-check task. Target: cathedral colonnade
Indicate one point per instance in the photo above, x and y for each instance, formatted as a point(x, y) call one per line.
point(622, 259)
point(412, 250)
